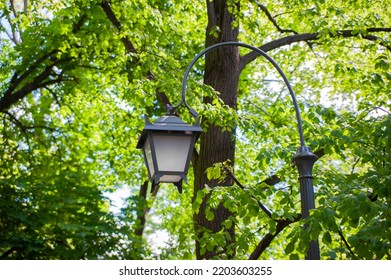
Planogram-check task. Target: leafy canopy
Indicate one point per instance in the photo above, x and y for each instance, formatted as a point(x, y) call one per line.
point(76, 77)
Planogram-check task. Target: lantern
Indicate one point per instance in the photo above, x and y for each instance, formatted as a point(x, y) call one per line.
point(167, 146)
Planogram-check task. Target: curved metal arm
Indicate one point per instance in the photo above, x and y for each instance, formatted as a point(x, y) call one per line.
point(262, 53)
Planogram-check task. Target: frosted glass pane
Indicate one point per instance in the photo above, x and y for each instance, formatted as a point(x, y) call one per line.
point(171, 152)
point(170, 178)
point(148, 157)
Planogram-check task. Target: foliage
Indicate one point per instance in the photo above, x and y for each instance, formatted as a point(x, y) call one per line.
point(76, 77)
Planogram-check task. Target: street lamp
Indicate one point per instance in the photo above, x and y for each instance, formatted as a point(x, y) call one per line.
point(304, 159)
point(167, 146)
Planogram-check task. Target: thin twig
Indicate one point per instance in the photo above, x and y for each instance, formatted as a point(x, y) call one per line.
point(263, 207)
point(272, 19)
point(346, 243)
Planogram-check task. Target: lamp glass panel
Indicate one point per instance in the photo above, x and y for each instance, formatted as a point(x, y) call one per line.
point(170, 178)
point(172, 151)
point(148, 157)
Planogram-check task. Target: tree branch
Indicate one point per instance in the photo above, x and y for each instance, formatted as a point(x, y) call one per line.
point(9, 98)
point(274, 179)
point(307, 37)
point(13, 37)
point(346, 243)
point(114, 20)
point(268, 238)
point(16, 79)
point(26, 128)
point(8, 252)
point(142, 210)
point(272, 19)
point(17, 122)
point(263, 207)
point(161, 96)
point(13, 8)
point(25, 6)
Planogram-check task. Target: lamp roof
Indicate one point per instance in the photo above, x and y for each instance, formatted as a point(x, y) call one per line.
point(166, 123)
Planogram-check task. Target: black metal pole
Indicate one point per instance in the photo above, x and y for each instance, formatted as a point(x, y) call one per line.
point(304, 160)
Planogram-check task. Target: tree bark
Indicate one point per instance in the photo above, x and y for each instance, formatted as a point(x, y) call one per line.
point(222, 73)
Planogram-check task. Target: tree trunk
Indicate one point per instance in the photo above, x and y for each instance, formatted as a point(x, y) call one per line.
point(222, 73)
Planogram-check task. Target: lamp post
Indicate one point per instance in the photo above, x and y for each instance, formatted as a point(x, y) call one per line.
point(304, 159)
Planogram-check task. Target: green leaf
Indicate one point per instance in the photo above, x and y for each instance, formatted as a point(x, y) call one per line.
point(210, 215)
point(275, 216)
point(326, 238)
point(382, 65)
point(289, 248)
point(228, 224)
point(294, 257)
point(272, 226)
